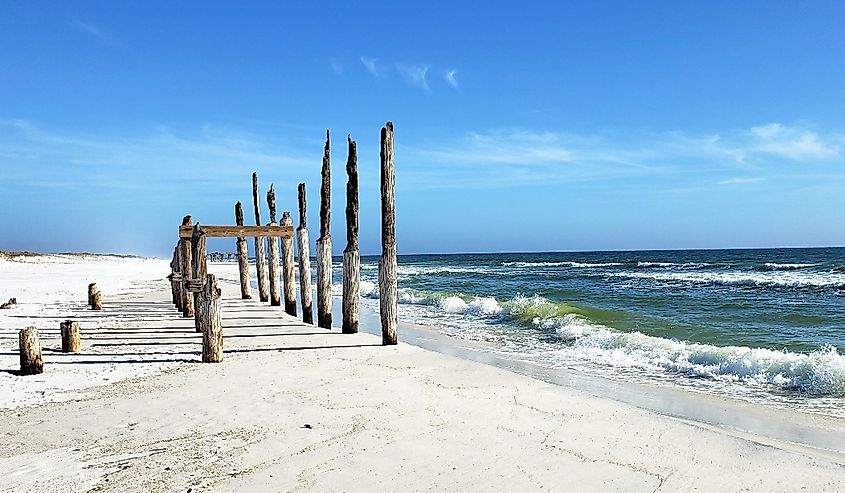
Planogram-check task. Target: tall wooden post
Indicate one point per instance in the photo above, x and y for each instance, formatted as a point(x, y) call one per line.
point(200, 268)
point(243, 254)
point(324, 244)
point(288, 268)
point(273, 248)
point(70, 336)
point(304, 259)
point(30, 351)
point(212, 325)
point(187, 271)
point(388, 300)
point(351, 255)
point(260, 259)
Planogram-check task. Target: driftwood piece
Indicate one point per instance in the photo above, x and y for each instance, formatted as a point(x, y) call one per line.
point(260, 259)
point(243, 255)
point(9, 304)
point(304, 259)
point(187, 271)
point(212, 326)
point(97, 301)
point(351, 255)
point(324, 244)
point(92, 288)
point(273, 251)
point(388, 296)
point(70, 336)
point(200, 250)
point(288, 269)
point(30, 349)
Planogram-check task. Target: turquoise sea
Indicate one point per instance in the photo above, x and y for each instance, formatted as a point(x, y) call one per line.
point(761, 325)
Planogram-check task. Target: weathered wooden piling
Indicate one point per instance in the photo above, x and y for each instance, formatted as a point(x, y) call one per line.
point(187, 271)
point(175, 285)
point(260, 259)
point(243, 255)
point(92, 288)
point(97, 301)
point(288, 268)
point(388, 296)
point(304, 259)
point(273, 249)
point(351, 255)
point(70, 336)
point(30, 349)
point(199, 250)
point(212, 325)
point(324, 244)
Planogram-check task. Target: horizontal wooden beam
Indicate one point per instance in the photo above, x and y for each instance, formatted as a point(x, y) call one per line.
point(238, 231)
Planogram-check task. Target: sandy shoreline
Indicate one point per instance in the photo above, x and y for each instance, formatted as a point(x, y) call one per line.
point(378, 418)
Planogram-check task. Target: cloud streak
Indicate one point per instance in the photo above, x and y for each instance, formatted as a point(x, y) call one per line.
point(414, 74)
point(450, 76)
point(370, 65)
point(92, 30)
point(520, 157)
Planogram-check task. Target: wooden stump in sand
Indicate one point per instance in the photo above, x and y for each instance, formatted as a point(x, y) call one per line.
point(288, 268)
point(30, 348)
point(92, 288)
point(260, 259)
point(387, 283)
point(351, 255)
point(70, 336)
point(304, 260)
point(212, 325)
point(243, 255)
point(273, 252)
point(97, 301)
point(324, 244)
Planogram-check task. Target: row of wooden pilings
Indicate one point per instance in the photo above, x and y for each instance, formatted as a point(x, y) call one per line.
point(29, 345)
point(195, 292)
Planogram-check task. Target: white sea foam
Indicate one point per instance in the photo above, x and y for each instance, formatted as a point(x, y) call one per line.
point(819, 372)
point(583, 265)
point(776, 266)
point(773, 279)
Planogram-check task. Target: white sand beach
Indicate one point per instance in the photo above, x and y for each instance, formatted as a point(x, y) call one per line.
point(296, 408)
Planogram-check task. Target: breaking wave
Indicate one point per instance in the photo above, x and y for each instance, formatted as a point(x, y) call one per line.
point(821, 372)
point(790, 279)
point(583, 265)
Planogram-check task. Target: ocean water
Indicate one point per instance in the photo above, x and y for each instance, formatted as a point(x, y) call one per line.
point(759, 325)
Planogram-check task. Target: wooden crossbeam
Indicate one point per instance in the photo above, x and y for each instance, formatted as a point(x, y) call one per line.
point(238, 231)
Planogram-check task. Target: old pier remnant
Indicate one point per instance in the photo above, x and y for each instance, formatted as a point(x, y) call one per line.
point(351, 255)
point(388, 299)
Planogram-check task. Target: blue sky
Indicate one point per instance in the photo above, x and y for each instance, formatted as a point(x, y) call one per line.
point(519, 126)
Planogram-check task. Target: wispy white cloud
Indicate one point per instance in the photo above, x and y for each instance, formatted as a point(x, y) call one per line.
point(740, 181)
point(414, 74)
point(451, 77)
point(92, 30)
point(337, 68)
point(524, 157)
point(371, 65)
point(160, 158)
point(792, 143)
